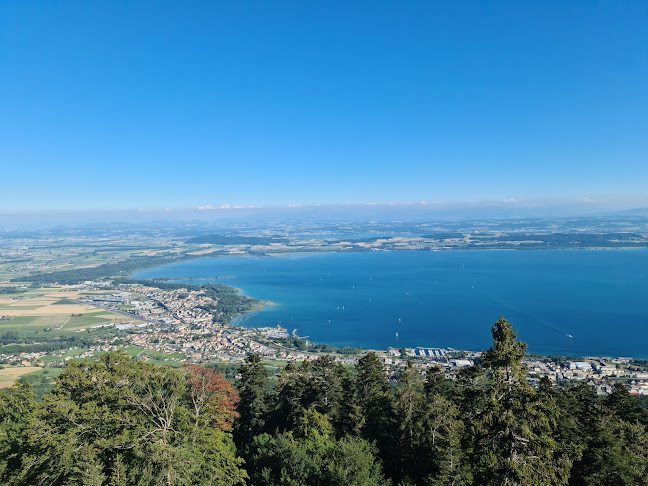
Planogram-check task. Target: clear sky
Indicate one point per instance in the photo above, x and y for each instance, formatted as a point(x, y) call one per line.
point(113, 105)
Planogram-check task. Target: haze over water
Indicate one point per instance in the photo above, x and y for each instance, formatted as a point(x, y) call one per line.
point(445, 298)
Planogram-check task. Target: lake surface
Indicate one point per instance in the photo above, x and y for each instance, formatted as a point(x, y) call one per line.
point(445, 298)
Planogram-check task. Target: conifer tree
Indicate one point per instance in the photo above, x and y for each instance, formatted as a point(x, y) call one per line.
point(611, 434)
point(376, 405)
point(17, 406)
point(436, 383)
point(617, 454)
point(513, 433)
point(625, 406)
point(351, 418)
point(325, 389)
point(442, 430)
point(289, 398)
point(443, 460)
point(252, 405)
point(409, 412)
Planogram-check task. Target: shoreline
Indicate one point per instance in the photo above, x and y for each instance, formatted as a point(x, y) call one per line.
point(236, 320)
point(240, 320)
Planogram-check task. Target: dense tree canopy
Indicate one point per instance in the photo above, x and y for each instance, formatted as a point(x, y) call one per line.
point(121, 421)
point(487, 426)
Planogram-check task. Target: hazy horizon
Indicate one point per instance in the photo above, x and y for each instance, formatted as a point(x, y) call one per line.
point(511, 209)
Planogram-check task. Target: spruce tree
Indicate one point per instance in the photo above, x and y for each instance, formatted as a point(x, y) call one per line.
point(252, 408)
point(289, 399)
point(376, 405)
point(409, 412)
point(325, 389)
point(443, 460)
point(514, 432)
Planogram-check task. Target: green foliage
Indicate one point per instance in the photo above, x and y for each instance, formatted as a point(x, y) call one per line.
point(252, 407)
point(17, 406)
point(295, 342)
point(619, 454)
point(289, 397)
point(375, 400)
point(349, 350)
point(325, 387)
point(120, 421)
point(40, 384)
point(30, 344)
point(124, 421)
point(12, 290)
point(409, 410)
point(513, 435)
point(486, 426)
point(230, 302)
point(227, 369)
point(624, 405)
point(615, 439)
point(310, 455)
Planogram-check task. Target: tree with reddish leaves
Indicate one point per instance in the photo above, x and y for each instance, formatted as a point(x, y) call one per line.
point(213, 398)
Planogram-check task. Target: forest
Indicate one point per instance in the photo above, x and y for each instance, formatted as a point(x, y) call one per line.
point(123, 421)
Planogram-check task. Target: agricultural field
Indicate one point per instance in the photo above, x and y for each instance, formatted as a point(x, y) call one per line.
point(9, 375)
point(46, 310)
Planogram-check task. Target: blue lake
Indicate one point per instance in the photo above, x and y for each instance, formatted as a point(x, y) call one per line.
point(445, 298)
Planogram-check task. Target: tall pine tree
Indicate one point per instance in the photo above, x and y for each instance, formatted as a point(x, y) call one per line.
point(514, 432)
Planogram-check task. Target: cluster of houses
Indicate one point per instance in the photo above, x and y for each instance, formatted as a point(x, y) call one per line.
point(178, 324)
point(184, 307)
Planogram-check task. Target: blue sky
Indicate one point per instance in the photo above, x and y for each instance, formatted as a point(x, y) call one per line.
point(118, 105)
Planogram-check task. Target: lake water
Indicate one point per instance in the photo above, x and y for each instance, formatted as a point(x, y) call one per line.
point(445, 298)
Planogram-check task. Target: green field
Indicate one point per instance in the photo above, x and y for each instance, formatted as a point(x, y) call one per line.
point(137, 351)
point(62, 302)
point(51, 311)
point(16, 322)
point(57, 324)
point(20, 307)
point(48, 372)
